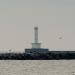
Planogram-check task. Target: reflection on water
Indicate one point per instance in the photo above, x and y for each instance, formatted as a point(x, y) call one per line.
point(37, 67)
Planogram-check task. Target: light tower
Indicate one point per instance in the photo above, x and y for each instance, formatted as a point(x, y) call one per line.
point(36, 44)
point(36, 34)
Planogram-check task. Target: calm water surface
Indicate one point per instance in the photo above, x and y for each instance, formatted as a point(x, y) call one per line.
point(37, 67)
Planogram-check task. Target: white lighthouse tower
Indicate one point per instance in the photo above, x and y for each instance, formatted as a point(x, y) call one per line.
point(36, 44)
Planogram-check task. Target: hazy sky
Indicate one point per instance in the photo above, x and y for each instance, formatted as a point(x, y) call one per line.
point(55, 18)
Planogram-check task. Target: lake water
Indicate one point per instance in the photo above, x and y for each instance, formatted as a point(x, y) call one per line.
point(37, 67)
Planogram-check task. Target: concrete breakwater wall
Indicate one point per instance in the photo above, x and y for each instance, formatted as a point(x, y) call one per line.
point(52, 55)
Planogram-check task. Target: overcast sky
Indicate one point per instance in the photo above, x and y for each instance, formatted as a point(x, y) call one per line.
point(55, 19)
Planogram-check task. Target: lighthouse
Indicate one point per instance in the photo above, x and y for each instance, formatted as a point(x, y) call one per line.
point(36, 46)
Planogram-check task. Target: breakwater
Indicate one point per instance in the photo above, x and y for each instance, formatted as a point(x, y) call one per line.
point(51, 55)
